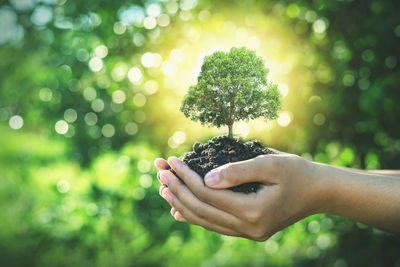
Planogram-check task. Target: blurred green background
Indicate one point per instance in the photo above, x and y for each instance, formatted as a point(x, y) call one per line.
point(90, 94)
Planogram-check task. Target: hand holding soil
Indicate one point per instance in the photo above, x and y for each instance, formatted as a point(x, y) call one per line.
point(268, 190)
point(279, 202)
point(291, 188)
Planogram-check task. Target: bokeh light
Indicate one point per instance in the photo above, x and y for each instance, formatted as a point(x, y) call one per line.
point(61, 127)
point(16, 122)
point(284, 119)
point(95, 64)
point(70, 115)
point(119, 97)
point(108, 130)
point(149, 23)
point(134, 75)
point(148, 60)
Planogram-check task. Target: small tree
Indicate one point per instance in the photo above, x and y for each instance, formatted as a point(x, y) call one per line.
point(232, 86)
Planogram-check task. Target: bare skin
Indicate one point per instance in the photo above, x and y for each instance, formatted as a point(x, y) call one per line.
point(292, 189)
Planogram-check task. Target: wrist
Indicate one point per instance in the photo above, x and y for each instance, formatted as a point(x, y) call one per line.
point(322, 187)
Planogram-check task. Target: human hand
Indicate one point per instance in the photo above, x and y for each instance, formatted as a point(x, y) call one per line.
point(289, 192)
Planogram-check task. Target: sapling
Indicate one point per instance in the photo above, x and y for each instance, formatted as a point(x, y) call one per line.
point(232, 86)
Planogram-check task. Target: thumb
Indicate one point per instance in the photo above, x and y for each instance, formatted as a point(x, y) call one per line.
point(233, 174)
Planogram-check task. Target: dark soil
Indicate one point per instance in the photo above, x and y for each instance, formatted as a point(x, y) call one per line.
point(221, 150)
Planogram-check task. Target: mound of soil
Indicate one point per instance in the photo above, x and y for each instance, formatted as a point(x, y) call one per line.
point(221, 150)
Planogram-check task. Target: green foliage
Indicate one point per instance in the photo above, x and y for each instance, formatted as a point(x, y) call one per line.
point(232, 86)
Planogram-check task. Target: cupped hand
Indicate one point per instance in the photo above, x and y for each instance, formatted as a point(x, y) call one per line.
point(289, 192)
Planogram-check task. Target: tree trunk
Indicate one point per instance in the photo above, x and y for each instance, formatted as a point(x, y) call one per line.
point(230, 131)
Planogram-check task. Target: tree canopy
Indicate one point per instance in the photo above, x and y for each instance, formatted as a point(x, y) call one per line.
point(232, 86)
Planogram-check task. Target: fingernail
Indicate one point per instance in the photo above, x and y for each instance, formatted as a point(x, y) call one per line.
point(161, 190)
point(167, 195)
point(154, 162)
point(158, 175)
point(179, 217)
point(212, 178)
point(163, 177)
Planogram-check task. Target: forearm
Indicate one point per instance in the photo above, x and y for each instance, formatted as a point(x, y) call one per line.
point(395, 173)
point(367, 197)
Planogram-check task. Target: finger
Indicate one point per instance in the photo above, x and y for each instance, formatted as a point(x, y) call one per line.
point(161, 164)
point(160, 191)
point(232, 174)
point(241, 172)
point(192, 218)
point(173, 210)
point(159, 176)
point(179, 217)
point(200, 209)
point(226, 200)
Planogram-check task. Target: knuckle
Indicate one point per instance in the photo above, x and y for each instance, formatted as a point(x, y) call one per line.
point(260, 159)
point(252, 216)
point(185, 214)
point(261, 239)
point(265, 162)
point(208, 228)
point(274, 160)
point(177, 189)
point(203, 196)
point(174, 189)
point(227, 173)
point(201, 212)
point(171, 201)
point(258, 234)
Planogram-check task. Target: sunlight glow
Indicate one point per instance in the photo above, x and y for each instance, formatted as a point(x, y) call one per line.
point(283, 89)
point(287, 56)
point(168, 68)
point(253, 42)
point(176, 55)
point(284, 119)
point(242, 129)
